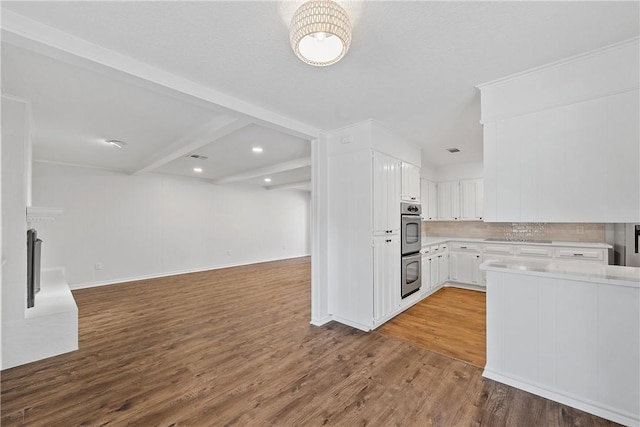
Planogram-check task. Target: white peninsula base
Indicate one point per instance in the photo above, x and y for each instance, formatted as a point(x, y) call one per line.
point(569, 332)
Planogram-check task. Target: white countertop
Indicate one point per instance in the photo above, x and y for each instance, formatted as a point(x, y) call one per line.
point(586, 272)
point(431, 240)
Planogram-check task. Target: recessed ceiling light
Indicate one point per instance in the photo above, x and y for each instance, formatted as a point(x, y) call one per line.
point(267, 180)
point(198, 170)
point(257, 149)
point(116, 143)
point(453, 150)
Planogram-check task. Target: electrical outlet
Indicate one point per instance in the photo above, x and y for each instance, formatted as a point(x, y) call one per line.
point(229, 252)
point(98, 266)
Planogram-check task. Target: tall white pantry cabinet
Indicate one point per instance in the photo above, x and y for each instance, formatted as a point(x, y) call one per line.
point(365, 189)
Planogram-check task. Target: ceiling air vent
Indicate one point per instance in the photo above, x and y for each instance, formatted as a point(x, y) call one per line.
point(198, 156)
point(453, 150)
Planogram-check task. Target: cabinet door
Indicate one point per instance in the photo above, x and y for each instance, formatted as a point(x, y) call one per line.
point(461, 267)
point(433, 201)
point(449, 200)
point(444, 201)
point(410, 183)
point(424, 198)
point(443, 268)
point(476, 275)
point(468, 202)
point(455, 200)
point(386, 195)
point(454, 266)
point(386, 275)
point(428, 200)
point(471, 195)
point(426, 273)
point(479, 198)
point(435, 274)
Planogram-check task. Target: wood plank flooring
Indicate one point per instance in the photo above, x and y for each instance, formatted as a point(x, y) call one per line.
point(233, 347)
point(452, 322)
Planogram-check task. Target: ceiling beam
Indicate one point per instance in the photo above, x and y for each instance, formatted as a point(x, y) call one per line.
point(306, 185)
point(204, 135)
point(38, 37)
point(268, 170)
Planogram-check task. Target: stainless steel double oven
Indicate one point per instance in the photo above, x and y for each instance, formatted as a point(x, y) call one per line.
point(411, 243)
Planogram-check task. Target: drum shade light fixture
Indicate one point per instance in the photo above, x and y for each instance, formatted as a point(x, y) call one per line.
point(320, 32)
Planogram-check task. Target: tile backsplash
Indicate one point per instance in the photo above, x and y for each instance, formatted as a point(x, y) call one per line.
point(563, 232)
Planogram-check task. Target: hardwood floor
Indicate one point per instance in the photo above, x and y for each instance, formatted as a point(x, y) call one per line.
point(234, 347)
point(451, 322)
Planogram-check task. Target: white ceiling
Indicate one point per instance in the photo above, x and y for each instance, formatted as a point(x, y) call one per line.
point(412, 66)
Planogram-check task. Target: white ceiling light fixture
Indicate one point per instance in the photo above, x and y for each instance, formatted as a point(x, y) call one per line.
point(116, 143)
point(320, 32)
point(257, 149)
point(197, 170)
point(267, 180)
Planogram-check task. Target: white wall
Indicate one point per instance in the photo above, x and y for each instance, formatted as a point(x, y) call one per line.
point(154, 225)
point(459, 171)
point(427, 170)
point(14, 226)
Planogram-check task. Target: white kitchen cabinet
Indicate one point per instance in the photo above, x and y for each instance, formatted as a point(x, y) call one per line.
point(443, 268)
point(465, 267)
point(449, 200)
point(386, 194)
point(429, 200)
point(427, 261)
point(471, 199)
point(435, 272)
point(410, 183)
point(464, 263)
point(386, 276)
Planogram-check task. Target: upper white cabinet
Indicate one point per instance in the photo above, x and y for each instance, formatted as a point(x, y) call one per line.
point(562, 143)
point(410, 183)
point(460, 200)
point(386, 194)
point(471, 199)
point(429, 200)
point(449, 200)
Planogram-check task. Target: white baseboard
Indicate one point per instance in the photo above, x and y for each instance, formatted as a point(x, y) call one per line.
point(321, 322)
point(173, 273)
point(594, 408)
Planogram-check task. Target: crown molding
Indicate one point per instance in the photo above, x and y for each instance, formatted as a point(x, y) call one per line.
point(564, 61)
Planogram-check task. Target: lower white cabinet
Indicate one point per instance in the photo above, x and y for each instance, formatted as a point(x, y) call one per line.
point(465, 267)
point(443, 267)
point(386, 276)
point(426, 273)
point(434, 273)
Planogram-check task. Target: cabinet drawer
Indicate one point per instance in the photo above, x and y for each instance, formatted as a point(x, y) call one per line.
point(435, 249)
point(498, 249)
point(464, 247)
point(534, 251)
point(443, 247)
point(580, 253)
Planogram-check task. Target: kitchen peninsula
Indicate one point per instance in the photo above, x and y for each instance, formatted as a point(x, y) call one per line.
point(567, 331)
